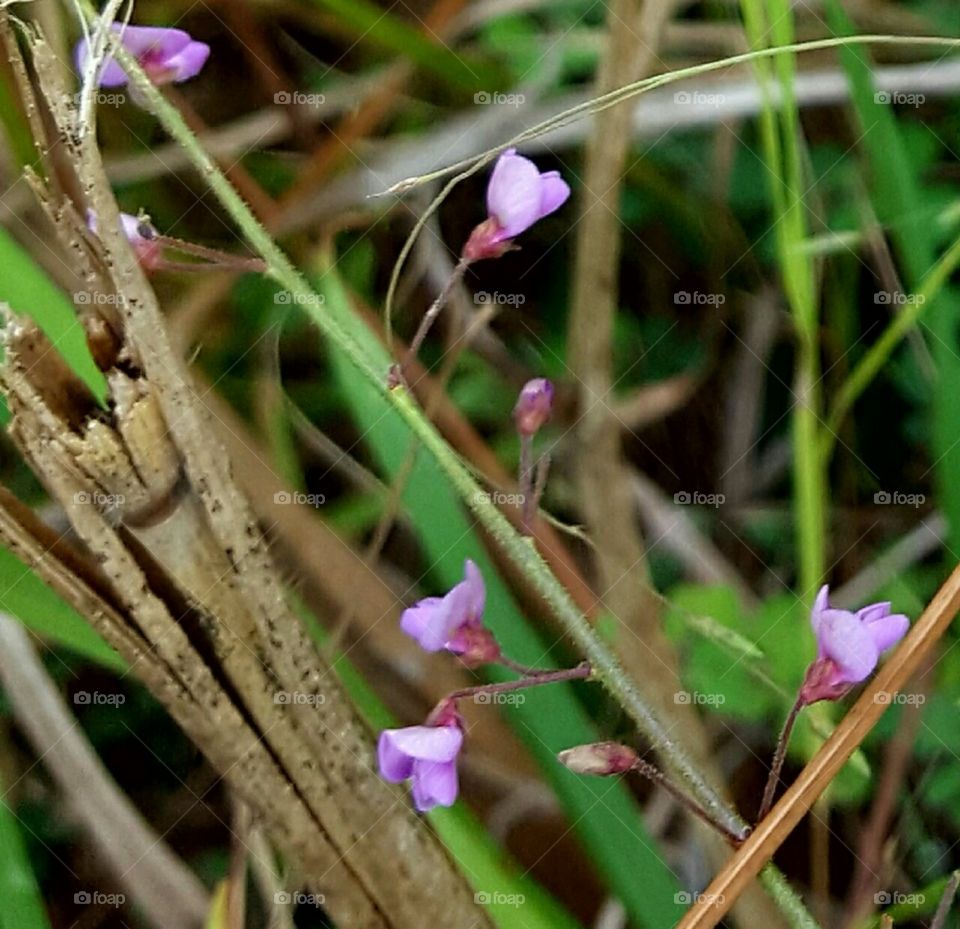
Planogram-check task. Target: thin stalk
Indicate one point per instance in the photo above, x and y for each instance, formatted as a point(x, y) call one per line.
point(398, 372)
point(781, 753)
point(653, 773)
point(523, 669)
point(580, 673)
point(525, 482)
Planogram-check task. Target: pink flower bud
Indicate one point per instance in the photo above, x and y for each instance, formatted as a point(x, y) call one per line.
point(534, 406)
point(599, 758)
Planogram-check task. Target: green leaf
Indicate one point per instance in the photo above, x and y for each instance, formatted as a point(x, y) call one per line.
point(24, 595)
point(21, 906)
point(28, 290)
point(371, 23)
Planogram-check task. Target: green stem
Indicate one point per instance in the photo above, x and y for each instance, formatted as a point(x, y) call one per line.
point(879, 353)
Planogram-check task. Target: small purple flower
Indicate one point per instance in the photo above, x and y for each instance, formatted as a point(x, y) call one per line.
point(517, 196)
point(167, 55)
point(849, 646)
point(534, 406)
point(455, 621)
point(427, 755)
point(140, 234)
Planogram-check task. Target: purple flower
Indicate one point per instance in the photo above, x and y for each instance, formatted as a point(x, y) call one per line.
point(427, 755)
point(455, 621)
point(167, 55)
point(849, 646)
point(517, 196)
point(534, 406)
point(140, 234)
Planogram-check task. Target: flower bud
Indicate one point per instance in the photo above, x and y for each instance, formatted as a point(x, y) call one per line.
point(534, 406)
point(599, 758)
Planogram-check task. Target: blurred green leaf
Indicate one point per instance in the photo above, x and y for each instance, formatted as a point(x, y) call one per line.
point(373, 24)
point(21, 906)
point(24, 595)
point(28, 290)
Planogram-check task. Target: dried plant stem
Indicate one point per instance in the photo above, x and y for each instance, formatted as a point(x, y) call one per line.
point(770, 833)
point(778, 758)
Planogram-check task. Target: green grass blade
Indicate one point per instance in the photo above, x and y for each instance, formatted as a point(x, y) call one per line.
point(28, 291)
point(372, 23)
point(895, 194)
point(783, 152)
point(24, 595)
point(605, 817)
point(21, 906)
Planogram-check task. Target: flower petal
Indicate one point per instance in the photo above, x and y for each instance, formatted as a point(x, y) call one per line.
point(475, 589)
point(395, 764)
point(417, 619)
point(821, 603)
point(887, 630)
point(514, 194)
point(155, 42)
point(554, 191)
point(845, 640)
point(429, 743)
point(874, 612)
point(434, 784)
point(189, 62)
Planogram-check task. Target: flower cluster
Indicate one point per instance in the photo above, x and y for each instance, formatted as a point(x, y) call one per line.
point(426, 755)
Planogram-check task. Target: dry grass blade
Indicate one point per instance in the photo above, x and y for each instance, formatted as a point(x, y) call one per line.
point(757, 851)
